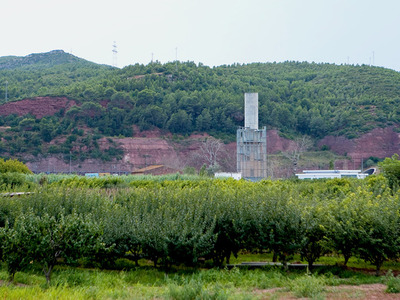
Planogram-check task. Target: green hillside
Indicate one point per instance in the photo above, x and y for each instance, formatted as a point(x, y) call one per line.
point(182, 97)
point(40, 61)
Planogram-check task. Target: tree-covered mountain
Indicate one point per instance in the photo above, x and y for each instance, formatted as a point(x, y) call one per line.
point(298, 98)
point(39, 61)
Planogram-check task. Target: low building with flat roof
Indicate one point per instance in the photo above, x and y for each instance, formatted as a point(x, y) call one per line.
point(233, 175)
point(329, 174)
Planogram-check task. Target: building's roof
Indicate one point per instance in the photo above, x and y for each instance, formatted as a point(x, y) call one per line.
point(319, 174)
point(333, 171)
point(149, 168)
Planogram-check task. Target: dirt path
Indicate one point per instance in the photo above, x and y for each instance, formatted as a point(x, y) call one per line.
point(364, 291)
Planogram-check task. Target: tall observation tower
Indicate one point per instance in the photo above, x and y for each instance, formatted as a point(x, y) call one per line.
point(251, 142)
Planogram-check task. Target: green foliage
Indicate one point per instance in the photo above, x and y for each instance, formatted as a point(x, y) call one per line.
point(13, 166)
point(100, 182)
point(9, 181)
point(314, 232)
point(195, 290)
point(69, 237)
point(170, 227)
point(308, 286)
point(297, 98)
point(279, 232)
point(379, 237)
point(188, 222)
point(15, 249)
point(345, 224)
point(45, 239)
point(391, 170)
point(392, 283)
point(189, 170)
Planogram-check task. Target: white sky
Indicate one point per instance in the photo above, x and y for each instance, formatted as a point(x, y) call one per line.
point(213, 32)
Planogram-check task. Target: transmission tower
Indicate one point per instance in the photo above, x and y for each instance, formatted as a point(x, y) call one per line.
point(115, 52)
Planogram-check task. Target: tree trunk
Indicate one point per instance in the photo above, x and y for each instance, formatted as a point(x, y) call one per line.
point(285, 265)
point(310, 265)
point(228, 257)
point(47, 273)
point(346, 259)
point(274, 257)
point(11, 277)
point(378, 268)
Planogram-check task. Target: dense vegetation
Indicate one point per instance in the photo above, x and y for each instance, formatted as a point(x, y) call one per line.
point(190, 222)
point(182, 97)
point(181, 223)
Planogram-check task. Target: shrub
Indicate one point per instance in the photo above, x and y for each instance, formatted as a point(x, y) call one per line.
point(309, 286)
point(11, 180)
point(392, 283)
point(195, 289)
point(391, 170)
point(13, 166)
point(190, 290)
point(15, 247)
point(46, 239)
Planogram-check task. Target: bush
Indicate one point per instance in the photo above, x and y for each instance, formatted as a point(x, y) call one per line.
point(391, 170)
point(194, 289)
point(45, 239)
point(392, 283)
point(13, 166)
point(190, 290)
point(11, 180)
point(309, 286)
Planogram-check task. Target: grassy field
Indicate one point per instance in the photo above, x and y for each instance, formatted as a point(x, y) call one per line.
point(146, 282)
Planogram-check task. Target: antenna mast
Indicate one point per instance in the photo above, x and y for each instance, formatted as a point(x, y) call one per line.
point(114, 50)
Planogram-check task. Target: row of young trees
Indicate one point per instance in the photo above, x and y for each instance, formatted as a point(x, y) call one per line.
point(185, 222)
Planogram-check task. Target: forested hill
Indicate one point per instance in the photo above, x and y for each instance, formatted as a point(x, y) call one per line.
point(39, 61)
point(182, 97)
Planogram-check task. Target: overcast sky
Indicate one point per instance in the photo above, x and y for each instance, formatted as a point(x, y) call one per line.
point(213, 32)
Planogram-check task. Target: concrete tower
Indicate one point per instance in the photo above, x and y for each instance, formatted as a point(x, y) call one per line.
point(251, 142)
point(251, 110)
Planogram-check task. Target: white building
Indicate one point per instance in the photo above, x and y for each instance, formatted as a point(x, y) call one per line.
point(320, 174)
point(236, 176)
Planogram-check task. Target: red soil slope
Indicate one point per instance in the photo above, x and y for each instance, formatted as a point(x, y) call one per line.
point(39, 107)
point(152, 147)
